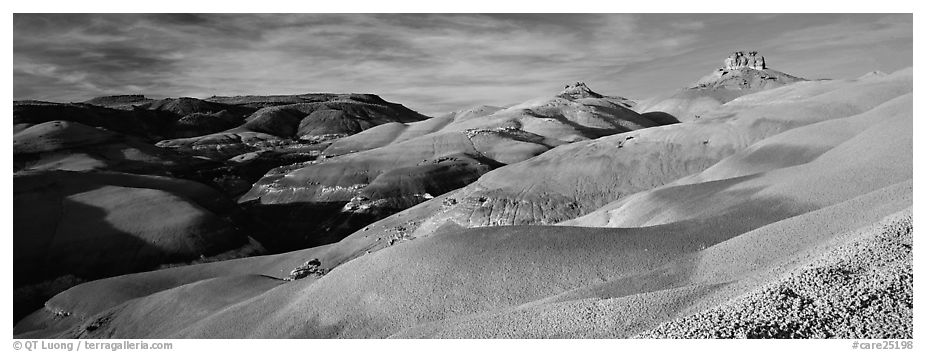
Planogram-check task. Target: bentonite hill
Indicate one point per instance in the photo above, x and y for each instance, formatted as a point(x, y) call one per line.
point(750, 204)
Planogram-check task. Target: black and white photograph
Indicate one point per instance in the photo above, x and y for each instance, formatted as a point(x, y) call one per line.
point(482, 175)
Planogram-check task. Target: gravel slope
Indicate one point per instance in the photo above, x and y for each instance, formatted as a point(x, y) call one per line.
point(862, 289)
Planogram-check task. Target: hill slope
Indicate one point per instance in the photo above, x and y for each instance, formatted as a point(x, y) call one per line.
point(773, 208)
point(576, 179)
point(401, 165)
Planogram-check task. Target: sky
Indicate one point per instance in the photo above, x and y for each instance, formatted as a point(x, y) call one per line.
point(432, 63)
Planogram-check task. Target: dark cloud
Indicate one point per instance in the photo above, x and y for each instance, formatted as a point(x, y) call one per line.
point(430, 62)
point(182, 19)
point(110, 58)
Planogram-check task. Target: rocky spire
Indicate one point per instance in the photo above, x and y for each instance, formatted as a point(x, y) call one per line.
point(578, 90)
point(742, 59)
point(744, 70)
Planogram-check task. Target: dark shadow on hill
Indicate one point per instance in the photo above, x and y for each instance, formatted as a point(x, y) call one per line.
point(590, 132)
point(44, 266)
point(287, 227)
point(58, 242)
point(661, 118)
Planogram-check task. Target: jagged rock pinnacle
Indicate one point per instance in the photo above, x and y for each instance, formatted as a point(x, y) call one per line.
point(578, 90)
point(742, 59)
point(744, 70)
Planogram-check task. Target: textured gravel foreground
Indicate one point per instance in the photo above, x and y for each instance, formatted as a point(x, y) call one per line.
point(862, 289)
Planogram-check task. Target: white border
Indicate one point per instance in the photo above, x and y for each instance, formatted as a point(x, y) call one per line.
point(789, 6)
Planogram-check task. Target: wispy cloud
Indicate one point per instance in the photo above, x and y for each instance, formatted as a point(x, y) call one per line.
point(429, 62)
point(846, 32)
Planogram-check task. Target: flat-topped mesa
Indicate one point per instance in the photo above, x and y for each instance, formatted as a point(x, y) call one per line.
point(124, 99)
point(742, 59)
point(578, 90)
